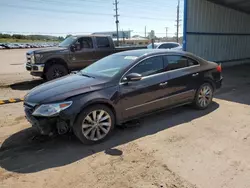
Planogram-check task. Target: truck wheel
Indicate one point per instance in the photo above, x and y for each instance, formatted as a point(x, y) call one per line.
point(94, 124)
point(55, 71)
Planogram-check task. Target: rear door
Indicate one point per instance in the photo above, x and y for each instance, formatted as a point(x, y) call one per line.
point(183, 78)
point(103, 47)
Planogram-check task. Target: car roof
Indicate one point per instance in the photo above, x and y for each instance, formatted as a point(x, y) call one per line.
point(159, 43)
point(145, 52)
point(93, 35)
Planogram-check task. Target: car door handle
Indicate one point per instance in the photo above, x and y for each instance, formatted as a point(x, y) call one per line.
point(196, 74)
point(163, 83)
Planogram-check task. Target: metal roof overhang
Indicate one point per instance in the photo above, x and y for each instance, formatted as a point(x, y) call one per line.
point(240, 5)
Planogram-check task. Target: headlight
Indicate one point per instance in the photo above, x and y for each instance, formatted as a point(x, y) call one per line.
point(32, 58)
point(38, 56)
point(48, 110)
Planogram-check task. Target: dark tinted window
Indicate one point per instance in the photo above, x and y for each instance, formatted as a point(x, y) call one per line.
point(85, 42)
point(149, 66)
point(165, 46)
point(168, 45)
point(175, 62)
point(192, 62)
point(174, 45)
point(102, 42)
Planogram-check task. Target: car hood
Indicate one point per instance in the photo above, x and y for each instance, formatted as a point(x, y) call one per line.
point(46, 50)
point(63, 88)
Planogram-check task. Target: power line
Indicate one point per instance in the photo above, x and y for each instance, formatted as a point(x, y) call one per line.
point(56, 10)
point(139, 8)
point(84, 13)
point(77, 32)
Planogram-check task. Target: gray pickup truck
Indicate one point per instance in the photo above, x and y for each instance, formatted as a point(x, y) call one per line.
point(74, 53)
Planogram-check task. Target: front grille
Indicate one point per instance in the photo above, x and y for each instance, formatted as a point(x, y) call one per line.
point(29, 109)
point(28, 58)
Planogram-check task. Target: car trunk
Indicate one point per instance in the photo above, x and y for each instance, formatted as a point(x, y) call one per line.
point(121, 49)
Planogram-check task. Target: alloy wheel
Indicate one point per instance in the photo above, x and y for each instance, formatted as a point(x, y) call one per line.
point(205, 96)
point(57, 73)
point(96, 125)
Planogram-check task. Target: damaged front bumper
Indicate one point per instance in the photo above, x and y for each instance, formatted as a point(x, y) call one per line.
point(48, 125)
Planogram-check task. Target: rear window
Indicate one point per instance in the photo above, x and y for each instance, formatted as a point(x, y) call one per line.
point(150, 46)
point(192, 62)
point(102, 42)
point(174, 62)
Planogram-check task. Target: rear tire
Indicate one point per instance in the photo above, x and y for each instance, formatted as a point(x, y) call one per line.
point(94, 124)
point(204, 96)
point(55, 71)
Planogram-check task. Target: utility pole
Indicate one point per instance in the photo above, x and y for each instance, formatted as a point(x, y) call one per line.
point(123, 37)
point(166, 32)
point(116, 20)
point(178, 21)
point(145, 31)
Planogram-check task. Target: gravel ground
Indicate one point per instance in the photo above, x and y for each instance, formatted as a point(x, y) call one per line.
point(179, 148)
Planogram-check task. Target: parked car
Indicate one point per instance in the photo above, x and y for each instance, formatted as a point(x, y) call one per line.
point(5, 46)
point(165, 45)
point(27, 45)
point(11, 46)
point(119, 88)
point(74, 53)
point(1, 47)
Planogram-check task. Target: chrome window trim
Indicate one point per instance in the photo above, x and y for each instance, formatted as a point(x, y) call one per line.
point(157, 74)
point(158, 100)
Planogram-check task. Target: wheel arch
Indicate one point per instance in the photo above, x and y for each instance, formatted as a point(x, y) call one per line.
point(211, 82)
point(97, 102)
point(53, 61)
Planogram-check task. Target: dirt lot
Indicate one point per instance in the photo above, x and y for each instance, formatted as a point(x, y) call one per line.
point(180, 148)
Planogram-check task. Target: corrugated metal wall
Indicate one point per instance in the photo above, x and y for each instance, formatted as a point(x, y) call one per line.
point(215, 32)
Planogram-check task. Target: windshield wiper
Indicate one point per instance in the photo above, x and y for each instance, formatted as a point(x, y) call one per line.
point(86, 75)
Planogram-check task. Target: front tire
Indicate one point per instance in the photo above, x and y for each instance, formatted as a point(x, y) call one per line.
point(204, 96)
point(55, 71)
point(94, 124)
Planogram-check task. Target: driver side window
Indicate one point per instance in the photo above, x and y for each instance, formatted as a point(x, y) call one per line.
point(84, 43)
point(149, 66)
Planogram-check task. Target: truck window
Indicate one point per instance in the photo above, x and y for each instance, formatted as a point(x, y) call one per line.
point(102, 42)
point(84, 43)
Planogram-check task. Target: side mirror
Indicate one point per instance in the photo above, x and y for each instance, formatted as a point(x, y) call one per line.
point(73, 48)
point(132, 77)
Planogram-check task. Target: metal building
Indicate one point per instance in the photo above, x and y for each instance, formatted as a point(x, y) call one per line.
point(218, 30)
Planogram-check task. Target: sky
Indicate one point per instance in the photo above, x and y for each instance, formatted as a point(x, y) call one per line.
point(62, 17)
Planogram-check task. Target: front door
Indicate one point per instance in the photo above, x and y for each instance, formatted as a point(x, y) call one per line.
point(84, 53)
point(148, 94)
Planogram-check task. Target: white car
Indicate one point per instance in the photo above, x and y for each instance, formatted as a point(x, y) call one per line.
point(165, 45)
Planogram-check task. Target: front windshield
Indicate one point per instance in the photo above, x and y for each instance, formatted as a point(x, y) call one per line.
point(109, 66)
point(67, 42)
point(150, 46)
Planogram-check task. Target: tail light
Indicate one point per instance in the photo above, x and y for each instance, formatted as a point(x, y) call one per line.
point(218, 68)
